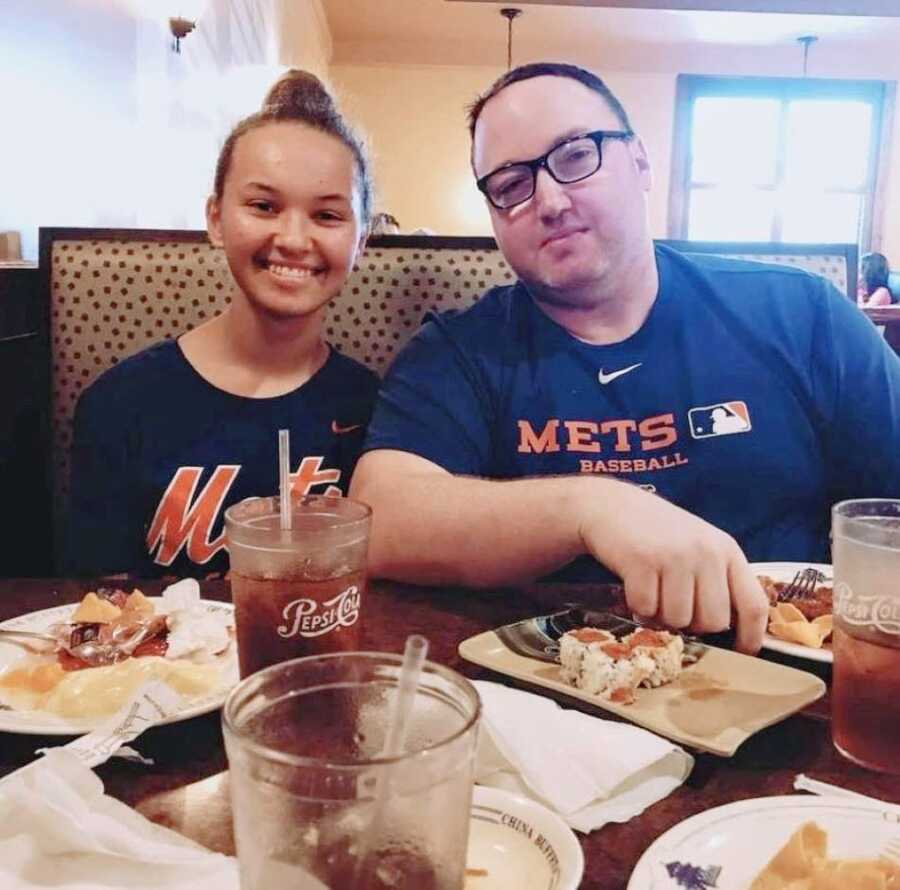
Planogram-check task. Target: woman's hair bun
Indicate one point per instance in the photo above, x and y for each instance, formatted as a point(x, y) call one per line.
point(299, 92)
point(300, 97)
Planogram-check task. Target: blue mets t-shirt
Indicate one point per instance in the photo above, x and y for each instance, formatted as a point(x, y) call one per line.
point(753, 396)
point(159, 454)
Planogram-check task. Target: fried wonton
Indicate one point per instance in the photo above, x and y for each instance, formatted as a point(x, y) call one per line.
point(803, 864)
point(787, 622)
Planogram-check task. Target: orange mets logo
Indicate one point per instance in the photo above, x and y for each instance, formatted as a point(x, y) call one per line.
point(184, 519)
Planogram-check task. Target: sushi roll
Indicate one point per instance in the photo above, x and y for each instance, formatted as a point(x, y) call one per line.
point(594, 661)
point(663, 649)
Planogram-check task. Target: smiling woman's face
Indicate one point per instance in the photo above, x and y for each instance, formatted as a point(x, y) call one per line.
point(288, 218)
point(565, 238)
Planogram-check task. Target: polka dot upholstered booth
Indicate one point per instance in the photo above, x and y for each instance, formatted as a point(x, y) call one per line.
point(112, 298)
point(115, 292)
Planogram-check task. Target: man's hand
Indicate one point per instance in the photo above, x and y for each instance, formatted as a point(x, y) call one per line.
point(677, 568)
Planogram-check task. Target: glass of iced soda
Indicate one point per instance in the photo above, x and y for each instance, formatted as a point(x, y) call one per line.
point(865, 721)
point(299, 590)
point(316, 803)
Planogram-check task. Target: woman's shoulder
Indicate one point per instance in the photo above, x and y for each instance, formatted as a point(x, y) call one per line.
point(148, 368)
point(881, 297)
point(343, 368)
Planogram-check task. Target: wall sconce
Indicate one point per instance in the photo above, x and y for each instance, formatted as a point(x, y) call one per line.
point(180, 28)
point(187, 14)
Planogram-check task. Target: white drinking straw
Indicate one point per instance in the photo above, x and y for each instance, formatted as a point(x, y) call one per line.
point(413, 658)
point(414, 653)
point(284, 477)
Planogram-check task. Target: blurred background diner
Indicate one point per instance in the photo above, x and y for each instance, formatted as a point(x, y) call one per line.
point(873, 288)
point(117, 106)
point(115, 126)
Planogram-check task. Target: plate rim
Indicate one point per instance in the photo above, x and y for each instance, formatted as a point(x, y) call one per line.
point(500, 796)
point(785, 647)
point(60, 726)
point(642, 875)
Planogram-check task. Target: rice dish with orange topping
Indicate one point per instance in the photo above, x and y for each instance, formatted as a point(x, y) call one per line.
point(597, 662)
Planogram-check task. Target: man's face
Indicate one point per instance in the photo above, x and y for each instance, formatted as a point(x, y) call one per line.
point(565, 240)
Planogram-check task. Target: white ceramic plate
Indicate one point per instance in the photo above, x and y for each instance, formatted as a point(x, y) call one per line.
point(785, 571)
point(44, 723)
point(740, 838)
point(520, 844)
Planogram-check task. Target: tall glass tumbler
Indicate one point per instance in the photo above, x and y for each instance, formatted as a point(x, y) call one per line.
point(297, 591)
point(316, 804)
point(865, 720)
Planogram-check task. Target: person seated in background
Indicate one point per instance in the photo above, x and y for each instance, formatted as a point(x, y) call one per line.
point(169, 438)
point(622, 409)
point(384, 224)
point(872, 288)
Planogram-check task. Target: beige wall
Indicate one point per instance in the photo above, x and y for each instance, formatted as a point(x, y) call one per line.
point(304, 38)
point(415, 119)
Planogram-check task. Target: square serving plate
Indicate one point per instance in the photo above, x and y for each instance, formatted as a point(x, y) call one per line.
point(717, 702)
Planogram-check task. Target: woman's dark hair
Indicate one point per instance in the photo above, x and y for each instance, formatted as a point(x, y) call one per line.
point(553, 69)
point(874, 271)
point(300, 97)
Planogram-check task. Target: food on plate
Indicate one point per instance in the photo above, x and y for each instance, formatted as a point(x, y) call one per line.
point(113, 643)
point(807, 620)
point(599, 663)
point(787, 622)
point(819, 602)
point(803, 864)
point(99, 691)
point(94, 610)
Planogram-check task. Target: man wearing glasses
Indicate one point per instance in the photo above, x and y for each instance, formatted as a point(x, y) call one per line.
point(621, 408)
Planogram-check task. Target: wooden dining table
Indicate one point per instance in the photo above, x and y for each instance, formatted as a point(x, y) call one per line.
point(186, 787)
point(889, 318)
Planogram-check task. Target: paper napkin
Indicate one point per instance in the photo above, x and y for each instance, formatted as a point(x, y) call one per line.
point(591, 771)
point(58, 828)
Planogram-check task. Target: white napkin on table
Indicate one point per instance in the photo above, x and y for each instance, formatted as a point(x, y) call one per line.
point(591, 771)
point(58, 828)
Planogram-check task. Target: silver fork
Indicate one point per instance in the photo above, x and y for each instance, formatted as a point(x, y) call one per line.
point(802, 586)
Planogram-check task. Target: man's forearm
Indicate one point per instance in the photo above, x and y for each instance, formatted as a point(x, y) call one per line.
point(444, 529)
point(434, 528)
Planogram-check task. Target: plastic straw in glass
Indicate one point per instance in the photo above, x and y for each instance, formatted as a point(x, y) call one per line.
point(414, 653)
point(413, 658)
point(284, 477)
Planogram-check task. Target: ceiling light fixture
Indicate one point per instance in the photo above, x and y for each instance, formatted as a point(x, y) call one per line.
point(509, 13)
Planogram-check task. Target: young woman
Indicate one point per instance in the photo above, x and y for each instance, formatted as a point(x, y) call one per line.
point(872, 288)
point(168, 439)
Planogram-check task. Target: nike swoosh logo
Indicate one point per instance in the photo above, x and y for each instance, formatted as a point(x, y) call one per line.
point(339, 430)
point(608, 378)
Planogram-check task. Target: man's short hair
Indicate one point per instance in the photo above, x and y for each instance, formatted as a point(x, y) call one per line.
point(553, 69)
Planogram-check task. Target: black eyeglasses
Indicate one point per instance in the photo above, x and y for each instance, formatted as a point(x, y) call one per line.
point(570, 161)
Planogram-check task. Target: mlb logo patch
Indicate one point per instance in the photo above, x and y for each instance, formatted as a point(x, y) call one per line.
point(723, 419)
